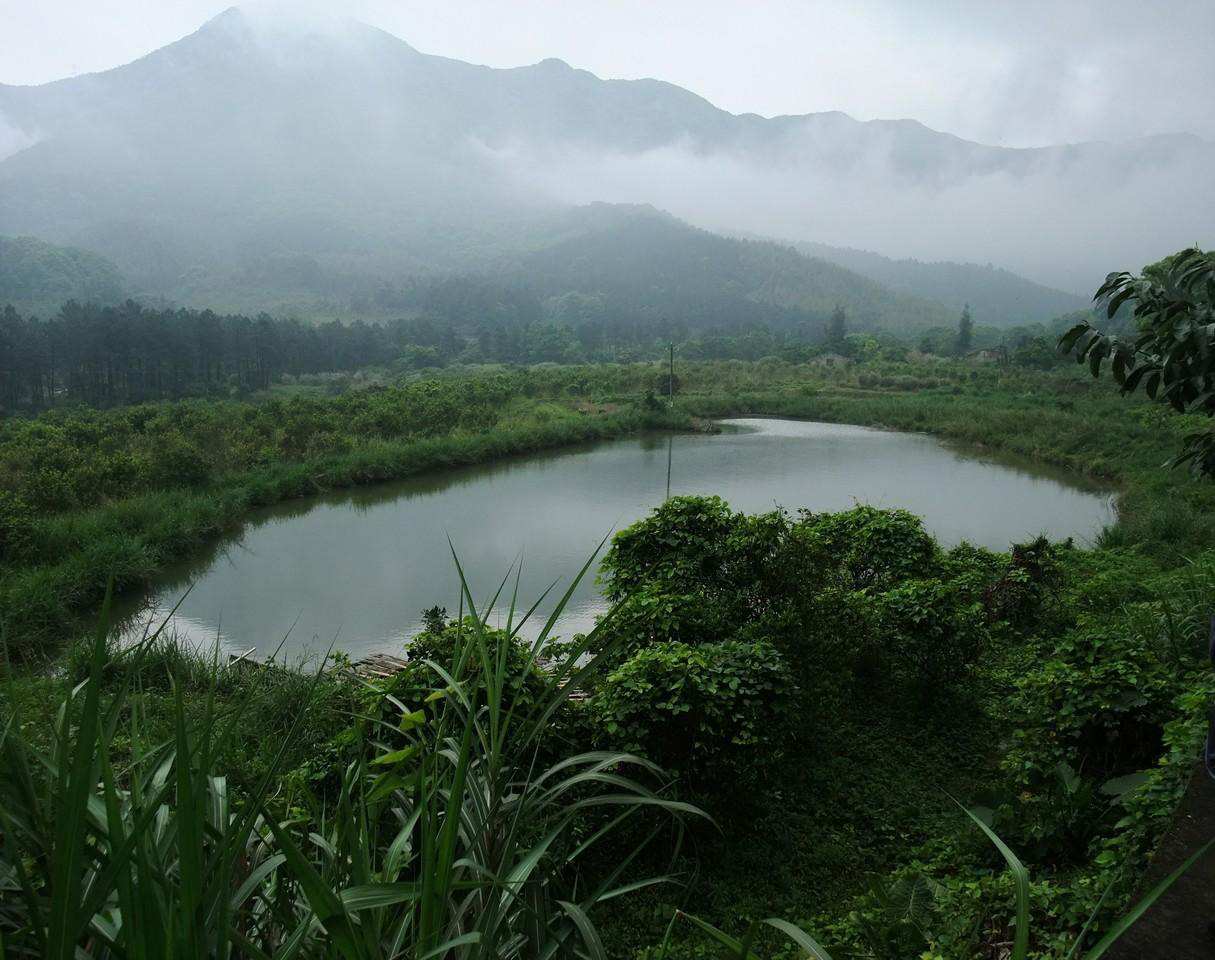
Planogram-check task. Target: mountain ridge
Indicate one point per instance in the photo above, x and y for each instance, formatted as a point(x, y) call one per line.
point(995, 296)
point(235, 19)
point(245, 140)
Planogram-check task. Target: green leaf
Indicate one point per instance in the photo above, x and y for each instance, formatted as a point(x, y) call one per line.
point(326, 905)
point(590, 936)
point(800, 937)
point(391, 759)
point(411, 720)
point(727, 941)
point(1068, 340)
point(1021, 886)
point(1121, 786)
point(375, 895)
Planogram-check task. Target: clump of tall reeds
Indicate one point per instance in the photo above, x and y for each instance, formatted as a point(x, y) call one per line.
point(449, 834)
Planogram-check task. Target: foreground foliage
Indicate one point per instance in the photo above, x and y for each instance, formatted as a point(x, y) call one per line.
point(1093, 677)
point(446, 833)
point(1173, 305)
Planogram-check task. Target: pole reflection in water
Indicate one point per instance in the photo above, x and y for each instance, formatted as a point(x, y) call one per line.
point(670, 447)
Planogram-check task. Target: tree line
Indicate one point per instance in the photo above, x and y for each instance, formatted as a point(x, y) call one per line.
point(128, 353)
point(109, 355)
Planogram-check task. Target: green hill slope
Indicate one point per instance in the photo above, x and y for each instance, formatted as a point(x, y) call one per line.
point(36, 277)
point(653, 268)
point(997, 298)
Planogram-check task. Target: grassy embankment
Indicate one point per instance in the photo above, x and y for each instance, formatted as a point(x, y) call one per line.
point(100, 494)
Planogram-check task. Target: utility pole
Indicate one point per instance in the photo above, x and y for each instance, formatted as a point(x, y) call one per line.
point(671, 379)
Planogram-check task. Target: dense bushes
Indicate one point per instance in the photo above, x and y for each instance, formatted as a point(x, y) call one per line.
point(1077, 664)
point(1099, 702)
point(16, 528)
point(928, 632)
point(722, 615)
point(692, 709)
point(439, 646)
point(872, 549)
point(1102, 695)
point(80, 458)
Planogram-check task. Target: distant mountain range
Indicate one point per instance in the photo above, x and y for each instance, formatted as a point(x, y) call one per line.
point(275, 164)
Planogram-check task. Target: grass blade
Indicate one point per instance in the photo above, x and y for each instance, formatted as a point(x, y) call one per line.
point(800, 937)
point(1139, 909)
point(1021, 883)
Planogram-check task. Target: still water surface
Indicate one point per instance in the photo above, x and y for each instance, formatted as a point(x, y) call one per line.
point(356, 569)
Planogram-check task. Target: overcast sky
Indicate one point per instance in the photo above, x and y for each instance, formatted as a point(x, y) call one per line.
point(1011, 72)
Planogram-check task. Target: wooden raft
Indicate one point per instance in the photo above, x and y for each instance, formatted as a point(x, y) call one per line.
point(382, 665)
point(379, 665)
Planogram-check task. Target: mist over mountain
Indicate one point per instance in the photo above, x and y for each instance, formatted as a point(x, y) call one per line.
point(995, 296)
point(259, 147)
point(662, 273)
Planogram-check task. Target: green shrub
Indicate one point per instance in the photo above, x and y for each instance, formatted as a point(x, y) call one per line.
point(508, 654)
point(690, 708)
point(1022, 596)
point(929, 632)
point(16, 528)
point(176, 462)
point(680, 543)
point(873, 548)
point(1099, 702)
point(695, 572)
point(650, 616)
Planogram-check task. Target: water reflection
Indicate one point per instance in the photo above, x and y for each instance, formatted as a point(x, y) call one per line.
point(357, 568)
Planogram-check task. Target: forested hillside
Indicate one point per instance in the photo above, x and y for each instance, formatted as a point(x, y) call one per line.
point(37, 277)
point(128, 353)
point(659, 273)
point(601, 282)
point(996, 297)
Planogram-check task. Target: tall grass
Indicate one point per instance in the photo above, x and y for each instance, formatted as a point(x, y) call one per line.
point(1175, 624)
point(72, 554)
point(449, 834)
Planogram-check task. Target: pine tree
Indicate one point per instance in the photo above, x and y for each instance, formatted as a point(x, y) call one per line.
point(966, 329)
point(837, 327)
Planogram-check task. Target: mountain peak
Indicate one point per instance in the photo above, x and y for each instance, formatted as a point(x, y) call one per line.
point(231, 22)
point(275, 22)
point(232, 14)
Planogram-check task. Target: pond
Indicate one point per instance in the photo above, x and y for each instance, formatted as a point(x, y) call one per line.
point(357, 569)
